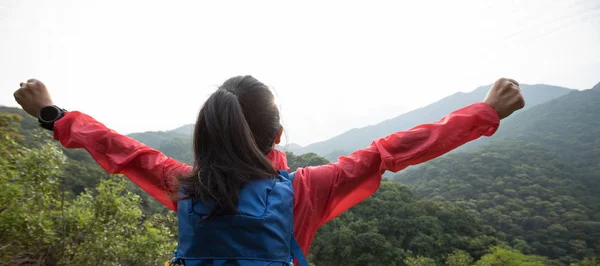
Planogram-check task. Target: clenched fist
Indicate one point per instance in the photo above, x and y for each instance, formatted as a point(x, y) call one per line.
point(33, 96)
point(505, 97)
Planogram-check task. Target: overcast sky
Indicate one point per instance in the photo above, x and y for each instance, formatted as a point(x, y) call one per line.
point(148, 65)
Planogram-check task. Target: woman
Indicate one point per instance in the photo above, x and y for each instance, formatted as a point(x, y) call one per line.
point(234, 139)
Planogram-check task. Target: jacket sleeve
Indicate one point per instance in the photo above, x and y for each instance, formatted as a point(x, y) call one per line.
point(118, 154)
point(336, 187)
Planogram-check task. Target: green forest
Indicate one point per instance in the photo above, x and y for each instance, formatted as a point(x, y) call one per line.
point(529, 196)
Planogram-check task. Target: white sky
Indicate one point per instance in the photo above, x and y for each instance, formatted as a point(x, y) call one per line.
point(149, 65)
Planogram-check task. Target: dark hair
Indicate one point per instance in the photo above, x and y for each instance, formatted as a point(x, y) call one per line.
point(234, 132)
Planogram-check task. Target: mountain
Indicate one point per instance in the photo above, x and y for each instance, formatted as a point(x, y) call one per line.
point(359, 138)
point(566, 115)
point(46, 221)
point(175, 143)
point(534, 187)
point(291, 147)
point(27, 123)
point(186, 130)
point(155, 139)
point(567, 125)
point(537, 181)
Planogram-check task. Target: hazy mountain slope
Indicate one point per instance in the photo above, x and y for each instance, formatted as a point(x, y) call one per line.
point(567, 115)
point(361, 137)
point(186, 130)
point(155, 139)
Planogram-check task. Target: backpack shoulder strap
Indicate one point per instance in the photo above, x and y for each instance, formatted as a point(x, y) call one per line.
point(287, 175)
point(295, 246)
point(297, 252)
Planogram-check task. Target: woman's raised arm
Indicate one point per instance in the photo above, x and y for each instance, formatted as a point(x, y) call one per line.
point(336, 187)
point(118, 154)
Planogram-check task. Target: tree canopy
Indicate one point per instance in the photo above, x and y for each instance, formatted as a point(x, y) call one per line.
point(528, 197)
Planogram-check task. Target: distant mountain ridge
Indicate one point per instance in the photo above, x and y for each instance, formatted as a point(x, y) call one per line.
point(546, 116)
point(361, 137)
point(358, 138)
point(186, 130)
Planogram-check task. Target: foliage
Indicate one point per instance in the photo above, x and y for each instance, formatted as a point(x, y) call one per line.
point(80, 171)
point(178, 148)
point(595, 261)
point(459, 258)
point(523, 191)
point(41, 225)
point(538, 182)
point(393, 224)
point(419, 261)
point(511, 203)
point(108, 226)
point(501, 256)
point(30, 200)
point(307, 159)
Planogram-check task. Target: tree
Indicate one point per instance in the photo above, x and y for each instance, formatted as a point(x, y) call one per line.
point(538, 202)
point(588, 262)
point(304, 160)
point(502, 256)
point(106, 226)
point(41, 225)
point(459, 258)
point(420, 261)
point(393, 225)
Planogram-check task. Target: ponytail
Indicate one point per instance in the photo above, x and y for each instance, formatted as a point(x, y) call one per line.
point(227, 155)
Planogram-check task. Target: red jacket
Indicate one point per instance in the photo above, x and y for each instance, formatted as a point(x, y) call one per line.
point(321, 192)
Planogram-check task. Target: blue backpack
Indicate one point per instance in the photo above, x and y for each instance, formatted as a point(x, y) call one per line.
point(261, 234)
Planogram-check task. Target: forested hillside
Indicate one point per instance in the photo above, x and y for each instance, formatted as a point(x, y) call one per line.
point(174, 143)
point(531, 196)
point(80, 171)
point(538, 183)
point(46, 220)
point(392, 227)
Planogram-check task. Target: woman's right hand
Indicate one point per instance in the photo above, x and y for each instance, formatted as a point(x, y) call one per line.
point(505, 97)
point(33, 96)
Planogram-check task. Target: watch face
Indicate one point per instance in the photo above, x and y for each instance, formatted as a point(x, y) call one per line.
point(49, 113)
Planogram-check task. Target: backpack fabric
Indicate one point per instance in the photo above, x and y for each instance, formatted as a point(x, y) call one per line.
point(262, 233)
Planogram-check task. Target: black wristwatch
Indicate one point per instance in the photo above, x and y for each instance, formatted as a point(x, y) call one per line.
point(50, 114)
